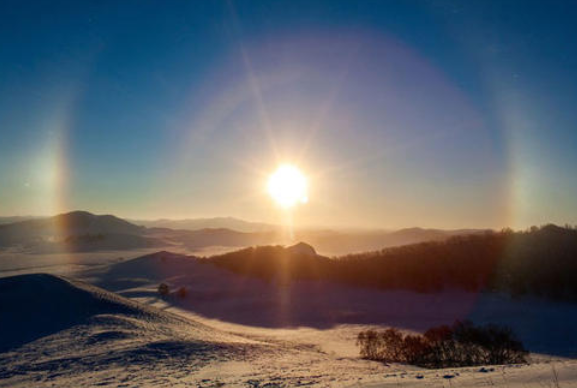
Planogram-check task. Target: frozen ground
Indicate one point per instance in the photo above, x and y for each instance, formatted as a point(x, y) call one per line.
point(235, 331)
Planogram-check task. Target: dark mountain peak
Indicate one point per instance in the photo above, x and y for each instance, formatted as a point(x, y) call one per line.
point(412, 229)
point(302, 248)
point(85, 222)
point(552, 228)
point(67, 227)
point(75, 218)
point(75, 214)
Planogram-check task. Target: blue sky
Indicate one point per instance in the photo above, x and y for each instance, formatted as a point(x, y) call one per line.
point(401, 113)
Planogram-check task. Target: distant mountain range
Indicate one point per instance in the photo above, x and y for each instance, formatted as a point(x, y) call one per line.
point(75, 231)
point(208, 223)
point(81, 231)
point(10, 220)
point(66, 225)
point(334, 242)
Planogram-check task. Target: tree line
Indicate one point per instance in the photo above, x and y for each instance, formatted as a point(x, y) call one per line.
point(540, 261)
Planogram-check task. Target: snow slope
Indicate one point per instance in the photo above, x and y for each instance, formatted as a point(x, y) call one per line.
point(544, 326)
point(236, 331)
point(69, 332)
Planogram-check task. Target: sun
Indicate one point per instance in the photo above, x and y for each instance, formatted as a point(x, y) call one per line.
point(288, 186)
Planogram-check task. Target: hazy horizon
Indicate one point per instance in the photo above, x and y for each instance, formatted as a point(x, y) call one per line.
point(346, 226)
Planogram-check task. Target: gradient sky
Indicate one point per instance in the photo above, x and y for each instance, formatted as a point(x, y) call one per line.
point(402, 113)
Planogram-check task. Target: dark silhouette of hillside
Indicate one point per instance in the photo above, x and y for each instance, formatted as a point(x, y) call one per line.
point(37, 305)
point(540, 261)
point(65, 225)
point(276, 262)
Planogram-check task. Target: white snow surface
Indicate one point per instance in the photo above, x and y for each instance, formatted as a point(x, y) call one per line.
point(112, 329)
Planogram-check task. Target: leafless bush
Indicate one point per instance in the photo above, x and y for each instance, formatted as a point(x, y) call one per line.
point(163, 289)
point(462, 344)
point(181, 293)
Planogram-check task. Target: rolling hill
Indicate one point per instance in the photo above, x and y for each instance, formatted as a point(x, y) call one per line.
point(81, 231)
point(538, 262)
point(68, 333)
point(64, 225)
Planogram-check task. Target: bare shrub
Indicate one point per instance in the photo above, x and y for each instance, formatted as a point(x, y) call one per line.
point(391, 345)
point(369, 343)
point(163, 289)
point(415, 349)
point(181, 292)
point(462, 344)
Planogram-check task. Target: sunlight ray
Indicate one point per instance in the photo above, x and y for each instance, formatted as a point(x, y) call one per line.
point(326, 106)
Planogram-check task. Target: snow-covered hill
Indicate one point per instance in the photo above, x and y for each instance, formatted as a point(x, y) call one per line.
point(237, 331)
point(56, 330)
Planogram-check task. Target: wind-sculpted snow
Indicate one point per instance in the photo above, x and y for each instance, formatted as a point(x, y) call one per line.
point(37, 305)
point(53, 326)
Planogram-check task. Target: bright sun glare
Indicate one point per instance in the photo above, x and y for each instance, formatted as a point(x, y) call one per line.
point(288, 186)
